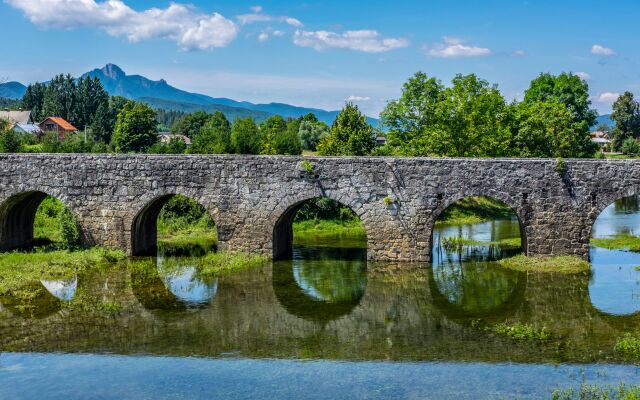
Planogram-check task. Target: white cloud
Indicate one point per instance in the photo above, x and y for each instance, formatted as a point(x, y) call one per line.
point(258, 16)
point(358, 98)
point(455, 48)
point(367, 41)
point(180, 23)
point(602, 51)
point(263, 37)
point(278, 33)
point(607, 97)
point(519, 53)
point(583, 75)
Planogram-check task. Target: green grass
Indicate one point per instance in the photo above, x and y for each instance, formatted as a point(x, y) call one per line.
point(621, 241)
point(216, 264)
point(562, 264)
point(330, 233)
point(18, 269)
point(507, 244)
point(628, 346)
point(473, 210)
point(595, 392)
point(521, 331)
point(181, 231)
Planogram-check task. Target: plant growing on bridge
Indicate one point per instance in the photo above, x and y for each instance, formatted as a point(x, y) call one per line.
point(560, 166)
point(307, 166)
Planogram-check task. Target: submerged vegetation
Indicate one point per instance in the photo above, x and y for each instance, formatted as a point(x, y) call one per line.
point(473, 210)
point(561, 264)
point(456, 243)
point(595, 392)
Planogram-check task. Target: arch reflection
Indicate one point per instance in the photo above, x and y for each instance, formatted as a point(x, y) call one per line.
point(171, 283)
point(33, 301)
point(63, 290)
point(321, 284)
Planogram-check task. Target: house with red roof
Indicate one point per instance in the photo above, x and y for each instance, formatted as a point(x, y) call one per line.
point(57, 125)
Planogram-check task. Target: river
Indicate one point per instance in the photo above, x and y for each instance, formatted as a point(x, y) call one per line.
point(328, 325)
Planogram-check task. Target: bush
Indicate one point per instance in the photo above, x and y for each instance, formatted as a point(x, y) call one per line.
point(68, 228)
point(630, 147)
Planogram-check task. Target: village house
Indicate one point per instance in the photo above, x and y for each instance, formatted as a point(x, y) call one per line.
point(20, 121)
point(166, 137)
point(59, 126)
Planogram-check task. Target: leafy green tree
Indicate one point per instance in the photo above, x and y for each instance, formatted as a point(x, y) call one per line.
point(350, 135)
point(408, 118)
point(214, 137)
point(190, 124)
point(245, 136)
point(626, 115)
point(550, 129)
point(103, 124)
point(270, 131)
point(135, 129)
point(89, 97)
point(311, 133)
point(68, 228)
point(567, 89)
point(288, 142)
point(176, 145)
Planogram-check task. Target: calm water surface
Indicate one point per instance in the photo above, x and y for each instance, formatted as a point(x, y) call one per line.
point(326, 325)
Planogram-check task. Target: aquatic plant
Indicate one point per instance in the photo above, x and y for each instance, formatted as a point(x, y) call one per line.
point(595, 392)
point(622, 241)
point(628, 346)
point(562, 264)
point(521, 331)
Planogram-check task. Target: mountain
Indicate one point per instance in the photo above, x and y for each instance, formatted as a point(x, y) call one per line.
point(606, 120)
point(160, 94)
point(12, 90)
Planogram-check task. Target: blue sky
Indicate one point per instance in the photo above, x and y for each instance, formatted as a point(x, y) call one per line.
point(322, 53)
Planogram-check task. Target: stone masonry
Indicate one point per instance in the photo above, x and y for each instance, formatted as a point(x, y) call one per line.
point(252, 199)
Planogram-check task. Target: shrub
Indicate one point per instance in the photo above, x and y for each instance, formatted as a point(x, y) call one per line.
point(68, 228)
point(630, 147)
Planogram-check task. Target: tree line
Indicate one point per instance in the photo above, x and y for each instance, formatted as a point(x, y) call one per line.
point(467, 118)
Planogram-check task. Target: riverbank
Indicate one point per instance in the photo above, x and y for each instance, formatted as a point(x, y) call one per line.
point(331, 233)
point(474, 210)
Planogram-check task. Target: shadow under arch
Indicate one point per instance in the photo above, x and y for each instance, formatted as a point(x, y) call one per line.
point(282, 235)
point(518, 212)
point(144, 228)
point(305, 301)
point(17, 216)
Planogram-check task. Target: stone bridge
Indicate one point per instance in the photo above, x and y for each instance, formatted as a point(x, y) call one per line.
point(116, 198)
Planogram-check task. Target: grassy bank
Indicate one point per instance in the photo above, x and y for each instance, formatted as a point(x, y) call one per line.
point(457, 242)
point(620, 241)
point(332, 233)
point(185, 231)
point(562, 264)
point(17, 269)
point(473, 210)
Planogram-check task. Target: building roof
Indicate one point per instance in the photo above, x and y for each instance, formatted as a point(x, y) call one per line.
point(16, 117)
point(62, 123)
point(600, 140)
point(166, 137)
point(27, 128)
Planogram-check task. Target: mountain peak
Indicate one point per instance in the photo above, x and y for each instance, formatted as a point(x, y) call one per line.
point(113, 71)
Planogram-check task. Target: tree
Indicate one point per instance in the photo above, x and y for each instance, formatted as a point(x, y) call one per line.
point(311, 133)
point(190, 124)
point(626, 115)
point(9, 140)
point(288, 142)
point(33, 100)
point(135, 129)
point(60, 97)
point(102, 124)
point(630, 147)
point(567, 89)
point(89, 97)
point(350, 135)
point(245, 136)
point(409, 117)
point(550, 129)
point(214, 137)
point(270, 131)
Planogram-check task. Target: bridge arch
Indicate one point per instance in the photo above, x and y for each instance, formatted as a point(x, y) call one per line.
point(282, 233)
point(17, 217)
point(518, 209)
point(144, 225)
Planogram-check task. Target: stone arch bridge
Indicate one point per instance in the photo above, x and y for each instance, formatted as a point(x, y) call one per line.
point(252, 199)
